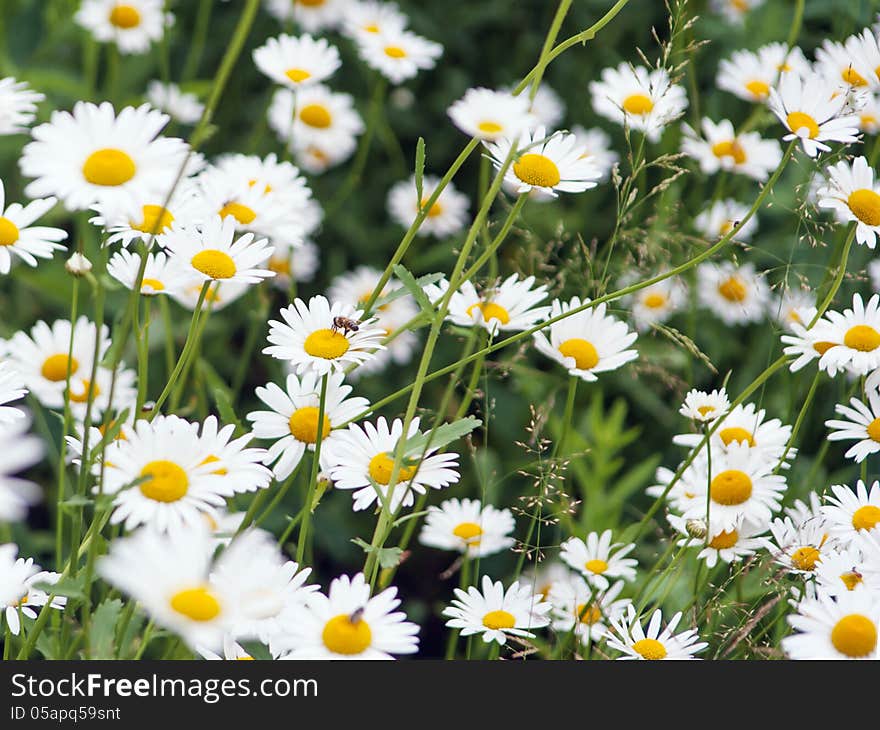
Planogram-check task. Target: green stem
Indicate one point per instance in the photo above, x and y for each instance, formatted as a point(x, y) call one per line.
point(313, 477)
point(200, 34)
point(561, 11)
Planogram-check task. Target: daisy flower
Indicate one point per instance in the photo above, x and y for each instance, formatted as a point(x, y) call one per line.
point(579, 607)
point(728, 546)
point(297, 61)
point(543, 577)
point(510, 306)
point(219, 295)
point(801, 512)
point(160, 275)
point(362, 458)
point(813, 112)
point(628, 637)
point(20, 238)
point(310, 340)
point(496, 613)
point(133, 25)
point(798, 548)
point(595, 144)
point(656, 303)
point(311, 15)
point(446, 217)
point(273, 177)
point(751, 75)
point(94, 156)
point(10, 390)
point(491, 115)
point(348, 623)
point(314, 115)
point(24, 575)
point(843, 627)
point(292, 422)
point(398, 54)
point(83, 390)
point(853, 195)
point(20, 451)
point(372, 17)
point(736, 295)
point(240, 467)
point(869, 114)
point(735, 11)
point(208, 253)
point(722, 217)
point(232, 651)
point(789, 307)
point(851, 513)
point(868, 543)
point(548, 164)
point(843, 64)
point(806, 344)
point(319, 155)
point(468, 527)
point(703, 407)
point(855, 335)
point(721, 148)
point(547, 107)
point(598, 559)
point(639, 98)
point(841, 571)
point(862, 424)
point(18, 106)
point(588, 342)
point(180, 105)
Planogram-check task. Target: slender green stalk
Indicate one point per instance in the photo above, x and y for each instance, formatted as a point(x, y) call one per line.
point(561, 11)
point(200, 34)
point(313, 477)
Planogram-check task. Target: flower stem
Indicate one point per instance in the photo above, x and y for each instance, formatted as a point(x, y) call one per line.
point(313, 477)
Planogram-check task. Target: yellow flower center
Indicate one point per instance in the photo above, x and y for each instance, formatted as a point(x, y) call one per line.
point(499, 620)
point(741, 5)
point(799, 120)
point(304, 425)
point(649, 649)
point(214, 264)
point(724, 540)
point(731, 149)
point(805, 558)
point(467, 531)
point(535, 169)
point(588, 615)
point(853, 77)
point(395, 52)
point(316, 115)
point(55, 367)
point(490, 310)
point(703, 410)
point(654, 300)
point(823, 347)
point(868, 120)
point(8, 232)
point(865, 205)
point(166, 481)
point(866, 518)
point(341, 635)
point(854, 635)
point(862, 337)
point(197, 604)
point(156, 220)
point(638, 104)
point(242, 213)
point(735, 433)
point(326, 343)
point(758, 88)
point(310, 3)
point(596, 566)
point(381, 466)
point(371, 28)
point(733, 289)
point(434, 211)
point(584, 353)
point(108, 167)
point(125, 17)
point(297, 74)
point(731, 487)
point(83, 395)
point(489, 127)
point(280, 266)
point(851, 579)
point(211, 459)
point(151, 286)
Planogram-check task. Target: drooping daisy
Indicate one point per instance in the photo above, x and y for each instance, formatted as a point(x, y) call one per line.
point(728, 545)
point(843, 570)
point(94, 156)
point(595, 143)
point(850, 513)
point(18, 106)
point(468, 527)
point(722, 217)
point(311, 15)
point(491, 115)
point(598, 559)
point(510, 306)
point(721, 148)
point(314, 115)
point(798, 547)
point(398, 54)
point(735, 294)
point(297, 61)
point(853, 195)
point(841, 627)
point(446, 217)
point(311, 340)
point(588, 342)
point(628, 637)
point(579, 607)
point(19, 238)
point(27, 575)
point(348, 623)
point(862, 424)
point(133, 25)
point(751, 74)
point(180, 105)
point(813, 112)
point(656, 303)
point(160, 277)
point(496, 613)
point(362, 458)
point(548, 164)
point(735, 11)
point(209, 253)
point(293, 421)
point(20, 451)
point(855, 335)
point(642, 99)
point(704, 407)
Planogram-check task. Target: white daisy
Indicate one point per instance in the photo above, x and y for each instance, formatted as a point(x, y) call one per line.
point(855, 335)
point(629, 638)
point(372, 16)
point(219, 295)
point(595, 143)
point(850, 513)
point(18, 106)
point(843, 627)
point(734, 294)
point(721, 148)
point(232, 651)
point(468, 527)
point(11, 389)
point(728, 546)
point(398, 54)
point(133, 25)
point(788, 307)
point(299, 263)
point(491, 115)
point(853, 195)
point(315, 115)
point(751, 75)
point(180, 105)
point(20, 451)
point(83, 390)
point(722, 217)
point(311, 15)
point(18, 237)
point(843, 570)
point(798, 547)
point(808, 343)
point(547, 107)
point(240, 466)
point(297, 61)
point(843, 64)
point(598, 559)
point(656, 303)
point(273, 177)
point(735, 11)
point(579, 607)
point(318, 155)
point(160, 275)
point(704, 407)
point(25, 574)
point(446, 217)
point(801, 512)
point(862, 424)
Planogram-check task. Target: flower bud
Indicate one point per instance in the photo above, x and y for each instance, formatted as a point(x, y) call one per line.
point(78, 265)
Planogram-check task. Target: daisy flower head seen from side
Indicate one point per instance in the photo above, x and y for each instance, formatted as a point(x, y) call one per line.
point(133, 25)
point(720, 218)
point(580, 608)
point(297, 61)
point(292, 422)
point(468, 527)
point(19, 238)
point(319, 337)
point(657, 642)
point(586, 343)
point(491, 115)
point(642, 99)
point(737, 295)
point(598, 559)
point(18, 106)
point(719, 147)
point(348, 623)
point(703, 407)
point(181, 106)
point(446, 217)
point(398, 54)
point(852, 512)
point(861, 424)
point(841, 627)
point(549, 164)
point(853, 195)
point(496, 613)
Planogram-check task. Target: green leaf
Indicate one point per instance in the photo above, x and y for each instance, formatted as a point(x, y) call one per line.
point(412, 286)
point(103, 629)
point(387, 557)
point(420, 168)
point(67, 587)
point(402, 291)
point(445, 434)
